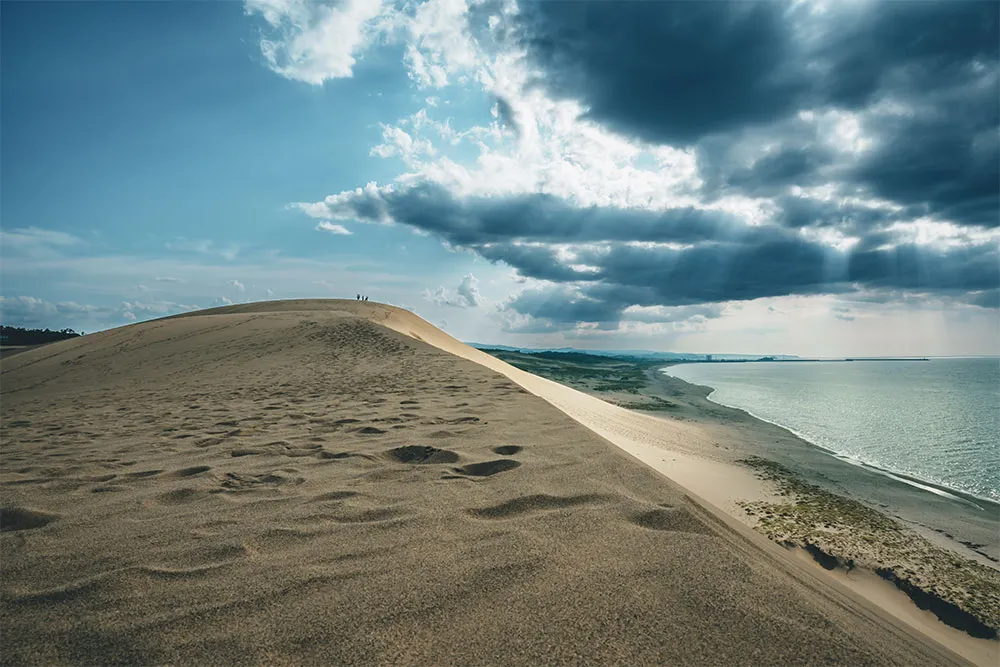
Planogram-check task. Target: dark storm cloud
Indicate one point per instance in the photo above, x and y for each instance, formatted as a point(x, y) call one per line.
point(536, 217)
point(559, 306)
point(712, 74)
point(948, 163)
point(848, 218)
point(776, 173)
point(668, 72)
point(913, 47)
point(622, 257)
point(986, 299)
point(562, 305)
point(507, 116)
point(674, 72)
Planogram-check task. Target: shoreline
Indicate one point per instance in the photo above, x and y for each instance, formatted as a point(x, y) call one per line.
point(918, 604)
point(943, 582)
point(974, 537)
point(931, 486)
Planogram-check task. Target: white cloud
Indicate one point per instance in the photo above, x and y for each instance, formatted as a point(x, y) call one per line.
point(29, 310)
point(26, 239)
point(333, 229)
point(439, 45)
point(203, 247)
point(313, 42)
point(466, 295)
point(237, 285)
point(25, 309)
point(397, 142)
point(468, 291)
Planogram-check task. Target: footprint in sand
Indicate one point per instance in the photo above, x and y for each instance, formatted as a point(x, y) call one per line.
point(143, 474)
point(181, 496)
point(487, 468)
point(24, 518)
point(334, 496)
point(507, 450)
point(670, 519)
point(421, 454)
point(539, 502)
point(188, 472)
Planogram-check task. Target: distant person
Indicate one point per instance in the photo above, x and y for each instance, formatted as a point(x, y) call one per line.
point(359, 297)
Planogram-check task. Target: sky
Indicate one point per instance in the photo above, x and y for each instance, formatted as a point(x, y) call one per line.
point(811, 177)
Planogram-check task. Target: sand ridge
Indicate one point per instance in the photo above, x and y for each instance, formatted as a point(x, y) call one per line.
point(294, 483)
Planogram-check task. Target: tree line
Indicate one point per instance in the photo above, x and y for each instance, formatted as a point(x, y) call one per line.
point(21, 336)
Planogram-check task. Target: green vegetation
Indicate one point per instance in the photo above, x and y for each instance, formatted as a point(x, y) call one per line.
point(846, 532)
point(583, 371)
point(657, 405)
point(20, 336)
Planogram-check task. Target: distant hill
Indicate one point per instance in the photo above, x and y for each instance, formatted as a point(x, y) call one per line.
point(20, 336)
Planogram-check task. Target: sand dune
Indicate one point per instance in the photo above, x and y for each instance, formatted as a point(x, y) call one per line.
point(332, 482)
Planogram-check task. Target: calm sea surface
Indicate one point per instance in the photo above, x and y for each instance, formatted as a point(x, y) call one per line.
point(937, 420)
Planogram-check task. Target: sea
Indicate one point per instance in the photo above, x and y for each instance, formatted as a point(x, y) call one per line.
point(934, 421)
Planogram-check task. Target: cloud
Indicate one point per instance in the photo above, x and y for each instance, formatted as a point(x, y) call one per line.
point(646, 157)
point(235, 284)
point(912, 88)
point(581, 313)
point(18, 310)
point(204, 247)
point(842, 313)
point(313, 42)
point(397, 142)
point(677, 72)
point(668, 72)
point(36, 312)
point(168, 279)
point(27, 240)
point(333, 229)
point(151, 309)
point(676, 256)
point(466, 295)
point(468, 291)
point(989, 298)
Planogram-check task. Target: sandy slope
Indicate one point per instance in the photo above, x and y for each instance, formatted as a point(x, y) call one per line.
point(290, 483)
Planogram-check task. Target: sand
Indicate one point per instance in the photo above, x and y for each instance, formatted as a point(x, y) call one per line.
point(329, 482)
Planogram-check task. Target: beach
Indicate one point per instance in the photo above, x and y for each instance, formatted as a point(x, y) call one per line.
point(336, 482)
point(943, 554)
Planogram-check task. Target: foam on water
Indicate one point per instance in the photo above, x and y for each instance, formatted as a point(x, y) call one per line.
point(935, 423)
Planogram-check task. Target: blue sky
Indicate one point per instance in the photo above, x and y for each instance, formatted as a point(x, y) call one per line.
point(653, 175)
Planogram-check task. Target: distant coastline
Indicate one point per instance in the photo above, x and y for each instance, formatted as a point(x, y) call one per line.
point(780, 360)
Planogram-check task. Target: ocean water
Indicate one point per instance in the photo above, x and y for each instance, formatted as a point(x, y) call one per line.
point(937, 421)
